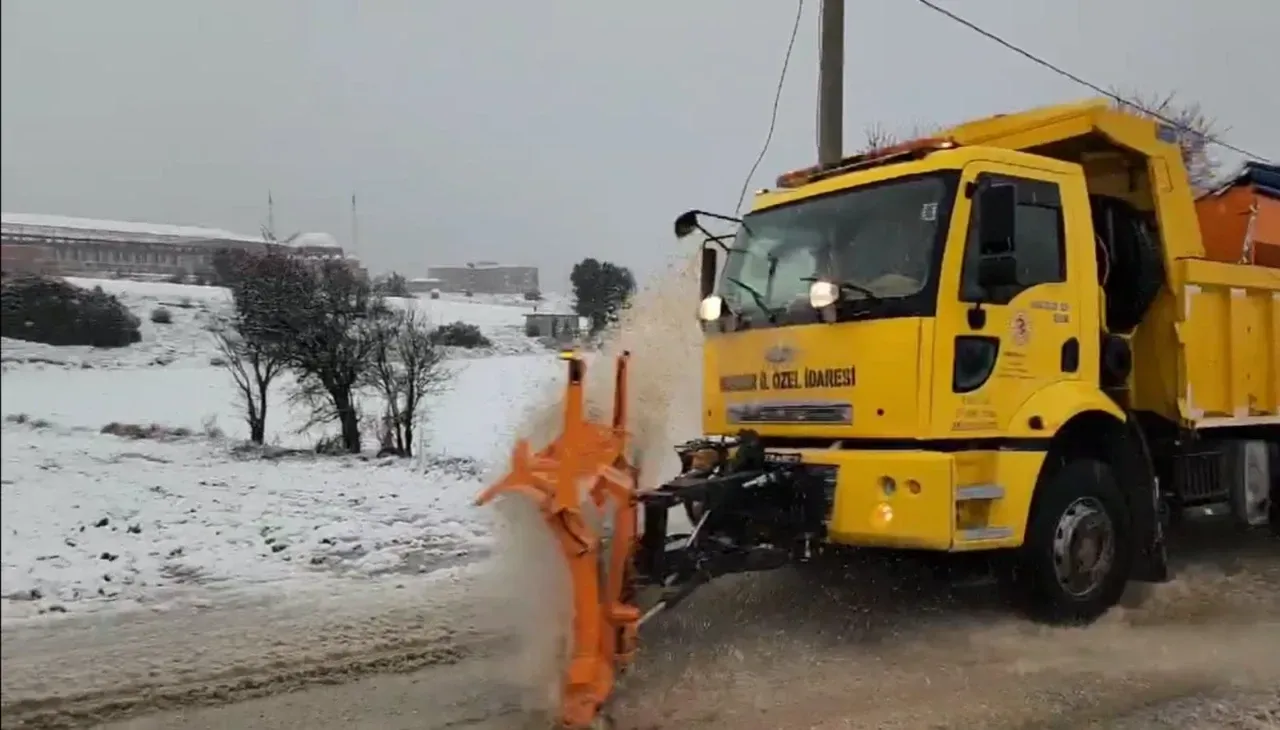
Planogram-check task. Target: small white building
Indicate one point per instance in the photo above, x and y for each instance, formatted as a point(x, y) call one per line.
point(559, 326)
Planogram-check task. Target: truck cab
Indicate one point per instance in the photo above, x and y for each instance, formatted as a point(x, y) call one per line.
point(1000, 339)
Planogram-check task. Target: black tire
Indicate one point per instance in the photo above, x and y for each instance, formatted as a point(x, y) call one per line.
point(1083, 497)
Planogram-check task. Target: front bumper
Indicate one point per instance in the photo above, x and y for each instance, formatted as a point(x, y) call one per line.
point(929, 500)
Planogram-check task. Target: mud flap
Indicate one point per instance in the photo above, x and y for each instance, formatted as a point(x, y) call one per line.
point(1151, 560)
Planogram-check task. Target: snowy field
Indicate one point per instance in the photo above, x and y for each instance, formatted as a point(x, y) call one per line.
point(188, 515)
point(186, 341)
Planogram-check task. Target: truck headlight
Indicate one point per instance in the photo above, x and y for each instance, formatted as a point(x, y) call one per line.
point(823, 294)
point(710, 309)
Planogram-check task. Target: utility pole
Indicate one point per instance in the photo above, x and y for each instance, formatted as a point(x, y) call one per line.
point(355, 227)
point(831, 82)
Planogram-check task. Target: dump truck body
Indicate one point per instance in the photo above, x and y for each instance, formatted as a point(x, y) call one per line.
point(1228, 345)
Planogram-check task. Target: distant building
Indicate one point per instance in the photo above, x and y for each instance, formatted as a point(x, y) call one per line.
point(423, 285)
point(26, 258)
point(317, 247)
point(87, 247)
point(485, 277)
point(314, 245)
point(559, 326)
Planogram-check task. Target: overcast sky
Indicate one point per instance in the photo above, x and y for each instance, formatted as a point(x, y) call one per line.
point(536, 132)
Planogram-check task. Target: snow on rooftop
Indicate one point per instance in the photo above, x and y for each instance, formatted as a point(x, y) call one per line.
point(33, 223)
point(480, 265)
point(314, 240)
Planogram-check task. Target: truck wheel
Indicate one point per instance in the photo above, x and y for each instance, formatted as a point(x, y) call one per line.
point(1078, 552)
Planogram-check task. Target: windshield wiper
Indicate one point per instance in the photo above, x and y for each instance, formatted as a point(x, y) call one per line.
point(869, 294)
point(757, 297)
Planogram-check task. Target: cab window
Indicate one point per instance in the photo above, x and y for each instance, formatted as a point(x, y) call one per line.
point(1040, 247)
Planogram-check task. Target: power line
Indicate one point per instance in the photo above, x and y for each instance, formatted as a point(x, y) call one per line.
point(1080, 80)
point(777, 100)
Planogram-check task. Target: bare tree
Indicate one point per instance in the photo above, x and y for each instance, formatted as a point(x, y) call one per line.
point(1195, 131)
point(878, 137)
point(252, 355)
point(331, 343)
point(253, 367)
point(405, 367)
point(317, 318)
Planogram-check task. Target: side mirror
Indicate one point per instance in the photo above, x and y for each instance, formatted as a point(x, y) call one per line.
point(686, 223)
point(997, 213)
point(708, 279)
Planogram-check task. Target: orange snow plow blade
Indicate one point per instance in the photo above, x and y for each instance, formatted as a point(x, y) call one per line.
point(587, 461)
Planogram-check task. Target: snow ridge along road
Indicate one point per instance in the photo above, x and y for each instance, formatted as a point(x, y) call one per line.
point(84, 670)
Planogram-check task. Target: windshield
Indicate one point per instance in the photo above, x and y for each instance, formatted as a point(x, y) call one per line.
point(879, 242)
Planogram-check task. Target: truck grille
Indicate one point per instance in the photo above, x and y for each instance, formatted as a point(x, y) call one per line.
point(806, 412)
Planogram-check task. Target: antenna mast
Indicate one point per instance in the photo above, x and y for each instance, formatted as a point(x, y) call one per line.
point(271, 215)
point(355, 226)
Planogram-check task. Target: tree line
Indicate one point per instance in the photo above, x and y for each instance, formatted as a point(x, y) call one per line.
point(334, 332)
point(601, 290)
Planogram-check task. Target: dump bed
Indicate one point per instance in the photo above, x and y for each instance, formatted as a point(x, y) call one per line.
point(1228, 332)
point(1240, 221)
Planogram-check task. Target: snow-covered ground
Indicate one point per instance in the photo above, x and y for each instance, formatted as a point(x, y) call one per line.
point(184, 513)
point(194, 308)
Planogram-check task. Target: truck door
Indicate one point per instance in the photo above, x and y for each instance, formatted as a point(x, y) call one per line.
point(997, 344)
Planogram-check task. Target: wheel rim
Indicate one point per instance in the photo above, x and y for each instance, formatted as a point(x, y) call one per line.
point(1083, 547)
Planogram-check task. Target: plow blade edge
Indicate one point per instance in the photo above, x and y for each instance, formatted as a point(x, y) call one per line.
point(587, 465)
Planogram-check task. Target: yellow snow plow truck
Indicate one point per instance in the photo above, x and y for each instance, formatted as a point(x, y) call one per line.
point(1007, 340)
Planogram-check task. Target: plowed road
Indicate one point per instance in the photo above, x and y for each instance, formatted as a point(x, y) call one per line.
point(758, 653)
